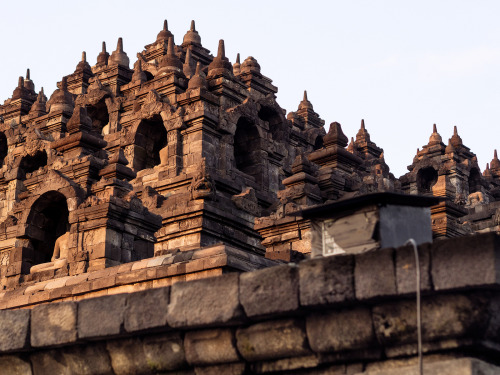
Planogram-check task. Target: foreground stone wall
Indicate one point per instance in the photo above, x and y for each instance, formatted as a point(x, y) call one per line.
point(337, 315)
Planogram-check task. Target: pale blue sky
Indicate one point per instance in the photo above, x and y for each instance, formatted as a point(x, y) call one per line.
point(400, 65)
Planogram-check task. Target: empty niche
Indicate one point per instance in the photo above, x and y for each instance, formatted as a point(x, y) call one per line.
point(100, 117)
point(426, 179)
point(47, 220)
point(247, 148)
point(31, 163)
point(275, 122)
point(150, 138)
point(474, 181)
point(3, 148)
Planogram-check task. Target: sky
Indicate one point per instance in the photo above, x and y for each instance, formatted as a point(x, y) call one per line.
point(399, 65)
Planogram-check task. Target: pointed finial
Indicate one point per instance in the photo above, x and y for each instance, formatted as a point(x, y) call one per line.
point(188, 56)
point(20, 83)
point(170, 47)
point(434, 128)
point(238, 58)
point(42, 92)
point(64, 84)
point(119, 46)
point(192, 28)
point(363, 124)
point(84, 56)
point(197, 72)
point(495, 155)
point(221, 51)
point(455, 132)
point(28, 73)
point(103, 47)
point(165, 25)
point(305, 96)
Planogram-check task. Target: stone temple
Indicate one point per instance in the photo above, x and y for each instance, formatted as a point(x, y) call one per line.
point(150, 223)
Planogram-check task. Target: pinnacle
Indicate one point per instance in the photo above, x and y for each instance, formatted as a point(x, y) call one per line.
point(305, 95)
point(221, 52)
point(188, 56)
point(165, 25)
point(170, 46)
point(28, 73)
point(238, 58)
point(192, 28)
point(119, 45)
point(64, 84)
point(197, 72)
point(495, 155)
point(455, 131)
point(363, 124)
point(434, 128)
point(103, 47)
point(20, 83)
point(84, 56)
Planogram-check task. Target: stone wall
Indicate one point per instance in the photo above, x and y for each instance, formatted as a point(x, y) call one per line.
point(336, 315)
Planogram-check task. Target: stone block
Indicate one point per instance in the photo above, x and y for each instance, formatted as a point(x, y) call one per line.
point(374, 274)
point(309, 362)
point(14, 365)
point(444, 317)
point(14, 329)
point(406, 271)
point(102, 316)
point(127, 356)
point(212, 346)
point(468, 261)
point(54, 324)
point(456, 366)
point(228, 369)
point(342, 330)
point(274, 290)
point(73, 360)
point(147, 309)
point(205, 302)
point(326, 280)
point(272, 340)
point(164, 352)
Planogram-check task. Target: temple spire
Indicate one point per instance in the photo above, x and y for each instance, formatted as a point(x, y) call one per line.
point(28, 73)
point(103, 47)
point(221, 50)
point(363, 124)
point(192, 28)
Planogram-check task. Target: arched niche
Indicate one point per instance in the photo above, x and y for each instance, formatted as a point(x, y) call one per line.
point(31, 163)
point(247, 148)
point(149, 76)
point(275, 122)
point(318, 143)
point(4, 148)
point(47, 220)
point(474, 181)
point(99, 115)
point(150, 138)
point(426, 179)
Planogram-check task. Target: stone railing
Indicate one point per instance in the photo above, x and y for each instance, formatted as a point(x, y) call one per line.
point(337, 315)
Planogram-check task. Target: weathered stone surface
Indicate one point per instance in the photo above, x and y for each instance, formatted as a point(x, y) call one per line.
point(229, 369)
point(287, 364)
point(14, 365)
point(272, 340)
point(164, 352)
point(14, 329)
point(326, 280)
point(343, 330)
point(102, 316)
point(127, 356)
point(210, 347)
point(147, 309)
point(374, 274)
point(466, 262)
point(273, 290)
point(406, 272)
point(458, 366)
point(443, 317)
point(74, 360)
point(54, 324)
point(211, 301)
